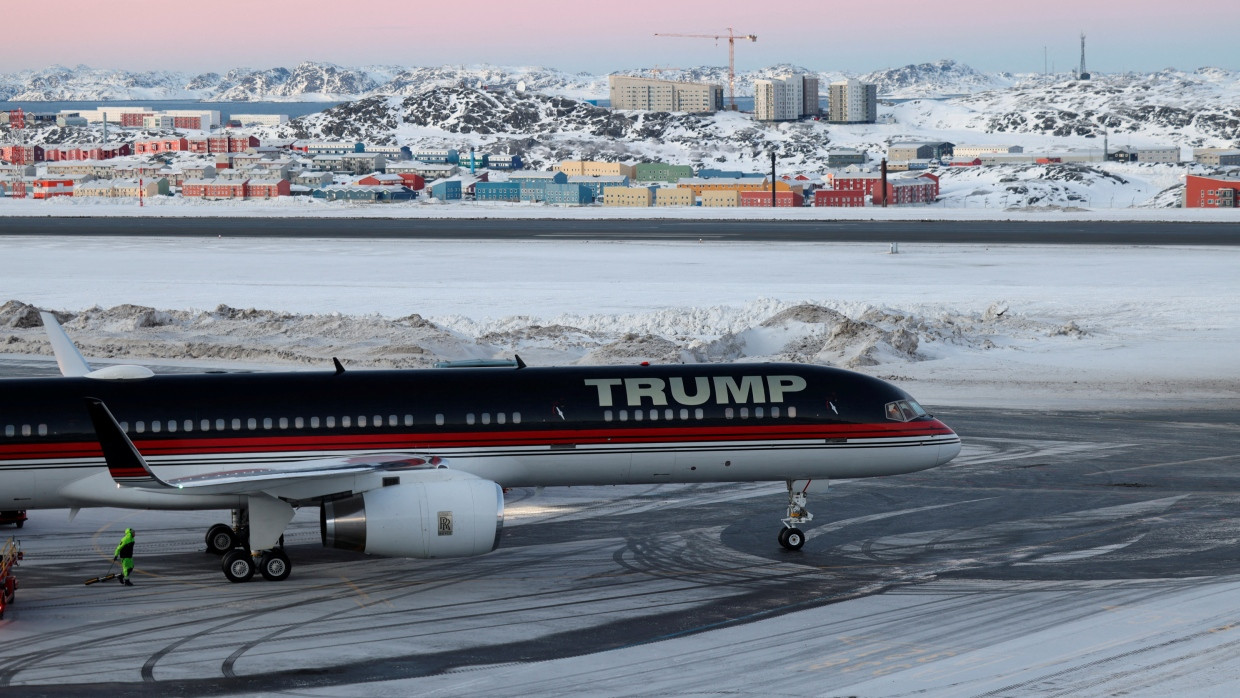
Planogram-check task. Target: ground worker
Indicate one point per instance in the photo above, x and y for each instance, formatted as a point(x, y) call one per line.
point(124, 553)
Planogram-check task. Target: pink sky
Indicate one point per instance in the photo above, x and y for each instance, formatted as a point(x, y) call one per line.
point(1138, 35)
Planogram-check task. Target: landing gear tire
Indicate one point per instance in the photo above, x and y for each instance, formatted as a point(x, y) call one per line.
point(275, 566)
point(238, 566)
point(792, 538)
point(220, 539)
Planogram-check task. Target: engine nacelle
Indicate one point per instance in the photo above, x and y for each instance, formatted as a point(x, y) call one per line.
point(443, 514)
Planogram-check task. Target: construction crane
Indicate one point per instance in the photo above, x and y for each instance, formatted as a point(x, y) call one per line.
point(731, 37)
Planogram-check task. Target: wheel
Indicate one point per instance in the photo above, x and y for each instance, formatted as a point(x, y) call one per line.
point(783, 536)
point(795, 539)
point(275, 565)
point(238, 566)
point(220, 539)
point(21, 523)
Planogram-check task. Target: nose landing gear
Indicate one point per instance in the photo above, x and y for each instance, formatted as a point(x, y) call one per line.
point(790, 536)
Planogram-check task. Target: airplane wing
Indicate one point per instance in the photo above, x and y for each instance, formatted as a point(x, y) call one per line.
point(129, 469)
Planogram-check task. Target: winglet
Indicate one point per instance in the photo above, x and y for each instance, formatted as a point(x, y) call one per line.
point(67, 355)
point(339, 366)
point(127, 467)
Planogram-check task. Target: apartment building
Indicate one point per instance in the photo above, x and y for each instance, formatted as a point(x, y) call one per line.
point(651, 94)
point(852, 102)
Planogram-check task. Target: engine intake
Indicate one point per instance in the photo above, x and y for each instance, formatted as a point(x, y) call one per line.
point(444, 514)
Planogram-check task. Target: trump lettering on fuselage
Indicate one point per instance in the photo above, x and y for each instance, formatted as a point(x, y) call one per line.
point(700, 390)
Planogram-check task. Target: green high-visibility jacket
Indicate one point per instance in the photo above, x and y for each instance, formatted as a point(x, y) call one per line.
point(125, 548)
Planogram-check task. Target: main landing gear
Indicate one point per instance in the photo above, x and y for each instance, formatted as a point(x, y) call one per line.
point(791, 537)
point(239, 563)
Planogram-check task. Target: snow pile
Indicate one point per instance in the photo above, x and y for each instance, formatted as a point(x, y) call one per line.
point(762, 331)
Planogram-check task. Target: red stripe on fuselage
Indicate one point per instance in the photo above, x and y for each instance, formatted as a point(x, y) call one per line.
point(193, 444)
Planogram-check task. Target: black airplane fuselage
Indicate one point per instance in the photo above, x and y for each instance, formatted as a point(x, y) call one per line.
point(517, 427)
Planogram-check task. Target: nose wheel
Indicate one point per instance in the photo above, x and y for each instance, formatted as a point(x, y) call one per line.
point(790, 536)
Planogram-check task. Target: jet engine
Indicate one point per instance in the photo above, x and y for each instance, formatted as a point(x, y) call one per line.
point(442, 514)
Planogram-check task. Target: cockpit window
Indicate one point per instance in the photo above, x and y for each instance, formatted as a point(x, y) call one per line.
point(903, 410)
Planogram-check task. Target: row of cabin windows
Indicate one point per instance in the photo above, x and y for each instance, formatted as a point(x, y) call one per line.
point(669, 414)
point(363, 421)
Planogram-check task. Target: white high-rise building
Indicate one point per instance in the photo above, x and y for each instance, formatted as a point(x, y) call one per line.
point(852, 102)
point(778, 99)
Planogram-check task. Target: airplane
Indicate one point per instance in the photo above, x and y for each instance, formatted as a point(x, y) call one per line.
point(414, 463)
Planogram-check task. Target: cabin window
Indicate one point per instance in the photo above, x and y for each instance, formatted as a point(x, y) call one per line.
point(699, 413)
point(314, 422)
point(219, 425)
point(408, 420)
point(139, 427)
point(792, 412)
point(654, 415)
point(607, 415)
point(299, 423)
point(172, 425)
point(25, 430)
point(757, 412)
point(125, 427)
point(361, 420)
point(669, 413)
point(500, 418)
point(266, 422)
point(393, 420)
point(744, 413)
point(284, 422)
point(377, 420)
point(187, 425)
point(346, 422)
point(330, 422)
point(9, 430)
point(775, 412)
point(470, 419)
point(42, 430)
point(638, 415)
point(236, 424)
point(155, 426)
point(684, 413)
point(624, 415)
point(516, 417)
point(729, 413)
point(486, 417)
point(439, 420)
point(251, 424)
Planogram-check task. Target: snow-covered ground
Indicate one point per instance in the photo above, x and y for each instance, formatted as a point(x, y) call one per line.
point(1002, 325)
point(999, 324)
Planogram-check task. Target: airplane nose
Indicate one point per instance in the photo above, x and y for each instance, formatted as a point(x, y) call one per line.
point(949, 451)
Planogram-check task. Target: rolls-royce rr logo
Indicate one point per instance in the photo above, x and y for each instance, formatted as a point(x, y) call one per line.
point(445, 523)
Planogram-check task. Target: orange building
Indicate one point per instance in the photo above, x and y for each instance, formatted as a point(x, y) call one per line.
point(1211, 192)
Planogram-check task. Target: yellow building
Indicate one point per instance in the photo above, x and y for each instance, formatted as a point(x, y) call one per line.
point(722, 197)
point(594, 168)
point(627, 196)
point(673, 196)
point(699, 185)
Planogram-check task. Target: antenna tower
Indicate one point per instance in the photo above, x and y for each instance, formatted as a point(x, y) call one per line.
point(1082, 75)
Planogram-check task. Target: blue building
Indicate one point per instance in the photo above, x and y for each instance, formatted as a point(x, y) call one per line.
point(353, 192)
point(446, 189)
point(567, 194)
point(497, 191)
point(497, 161)
point(728, 174)
point(534, 184)
point(439, 156)
point(596, 183)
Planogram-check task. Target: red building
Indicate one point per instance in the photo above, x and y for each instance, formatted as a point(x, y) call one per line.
point(161, 145)
point(95, 151)
point(267, 188)
point(49, 187)
point(837, 197)
point(965, 162)
point(417, 182)
point(215, 188)
point(865, 183)
point(17, 118)
point(763, 198)
point(22, 154)
point(134, 119)
point(221, 143)
point(1211, 192)
point(911, 191)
